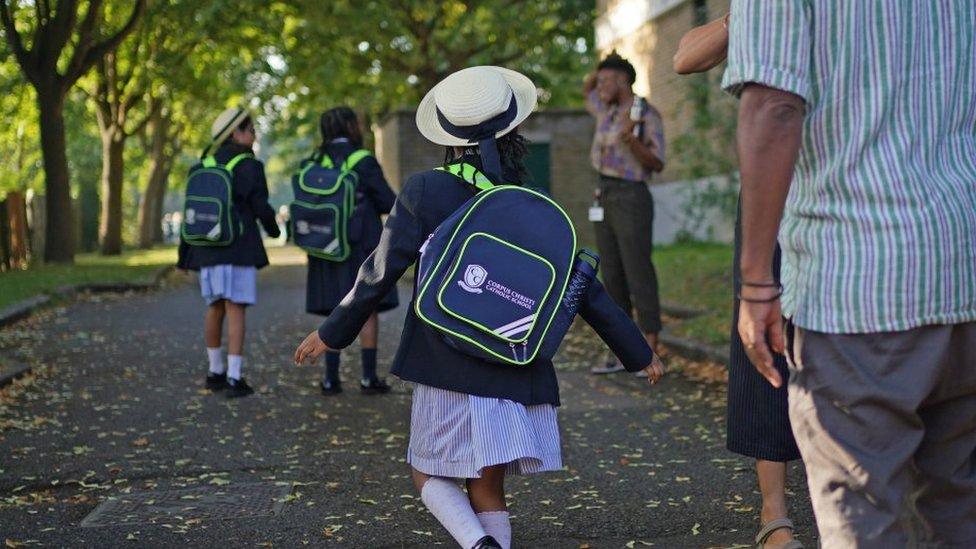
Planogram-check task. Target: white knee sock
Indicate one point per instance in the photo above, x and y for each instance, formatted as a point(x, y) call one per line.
point(234, 363)
point(216, 360)
point(451, 508)
point(497, 525)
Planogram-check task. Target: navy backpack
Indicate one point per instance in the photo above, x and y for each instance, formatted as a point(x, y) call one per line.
point(493, 277)
point(209, 215)
point(325, 198)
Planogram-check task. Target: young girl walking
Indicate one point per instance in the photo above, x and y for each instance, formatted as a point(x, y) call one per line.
point(228, 274)
point(471, 421)
point(330, 281)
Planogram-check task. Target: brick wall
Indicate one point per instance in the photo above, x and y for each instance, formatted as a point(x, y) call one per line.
point(401, 149)
point(569, 133)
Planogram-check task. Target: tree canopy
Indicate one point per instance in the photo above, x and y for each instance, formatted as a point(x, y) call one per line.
point(158, 71)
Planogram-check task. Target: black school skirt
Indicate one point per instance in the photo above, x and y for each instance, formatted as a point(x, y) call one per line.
point(328, 282)
point(757, 419)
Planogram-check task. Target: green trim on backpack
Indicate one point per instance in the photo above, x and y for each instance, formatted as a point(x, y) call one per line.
point(354, 158)
point(348, 179)
point(236, 160)
point(449, 280)
point(348, 164)
point(211, 162)
point(425, 284)
point(468, 173)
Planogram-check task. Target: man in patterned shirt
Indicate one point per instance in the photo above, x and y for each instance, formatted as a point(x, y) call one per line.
point(628, 147)
point(870, 109)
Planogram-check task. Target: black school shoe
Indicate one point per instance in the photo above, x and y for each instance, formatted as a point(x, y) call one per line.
point(237, 388)
point(375, 386)
point(217, 382)
point(487, 542)
point(329, 388)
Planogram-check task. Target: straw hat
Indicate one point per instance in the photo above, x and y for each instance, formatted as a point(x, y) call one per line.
point(225, 124)
point(475, 104)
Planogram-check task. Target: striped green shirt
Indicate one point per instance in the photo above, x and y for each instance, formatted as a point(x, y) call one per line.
point(879, 232)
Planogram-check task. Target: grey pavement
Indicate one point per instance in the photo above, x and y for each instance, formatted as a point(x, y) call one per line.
point(117, 413)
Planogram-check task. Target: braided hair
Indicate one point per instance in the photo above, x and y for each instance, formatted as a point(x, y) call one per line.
point(512, 148)
point(340, 122)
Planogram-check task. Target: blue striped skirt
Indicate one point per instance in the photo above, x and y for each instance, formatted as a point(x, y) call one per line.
point(235, 283)
point(456, 435)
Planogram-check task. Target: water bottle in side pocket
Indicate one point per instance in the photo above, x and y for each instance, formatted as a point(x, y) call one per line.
point(579, 284)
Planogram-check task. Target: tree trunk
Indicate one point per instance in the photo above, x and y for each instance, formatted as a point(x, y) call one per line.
point(17, 214)
point(150, 205)
point(157, 224)
point(157, 227)
point(59, 236)
point(37, 220)
point(5, 259)
point(88, 208)
point(113, 164)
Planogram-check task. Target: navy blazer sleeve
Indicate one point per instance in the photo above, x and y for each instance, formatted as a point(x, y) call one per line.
point(615, 328)
point(375, 185)
point(398, 249)
point(257, 196)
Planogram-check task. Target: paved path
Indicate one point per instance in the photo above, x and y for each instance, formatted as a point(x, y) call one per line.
point(117, 409)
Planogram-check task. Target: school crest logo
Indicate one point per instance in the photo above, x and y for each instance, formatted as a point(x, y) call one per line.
point(191, 216)
point(301, 227)
point(474, 278)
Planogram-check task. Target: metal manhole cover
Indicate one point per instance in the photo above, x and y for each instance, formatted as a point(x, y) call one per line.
point(205, 503)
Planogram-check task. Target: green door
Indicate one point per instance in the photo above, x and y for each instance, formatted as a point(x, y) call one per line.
point(537, 163)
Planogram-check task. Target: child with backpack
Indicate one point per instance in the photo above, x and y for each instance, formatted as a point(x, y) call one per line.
point(476, 342)
point(226, 196)
point(341, 160)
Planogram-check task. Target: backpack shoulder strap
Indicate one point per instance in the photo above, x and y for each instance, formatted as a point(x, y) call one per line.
point(236, 160)
point(208, 162)
point(469, 174)
point(350, 162)
point(326, 161)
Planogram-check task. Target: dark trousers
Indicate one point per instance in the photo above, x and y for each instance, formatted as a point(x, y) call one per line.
point(625, 240)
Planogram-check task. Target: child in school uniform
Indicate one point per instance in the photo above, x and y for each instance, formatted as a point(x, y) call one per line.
point(228, 274)
point(330, 281)
point(471, 420)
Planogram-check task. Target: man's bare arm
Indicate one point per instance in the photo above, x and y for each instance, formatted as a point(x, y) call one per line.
point(702, 48)
point(770, 128)
point(589, 83)
point(645, 154)
point(769, 134)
